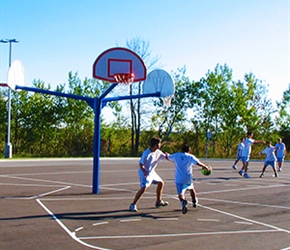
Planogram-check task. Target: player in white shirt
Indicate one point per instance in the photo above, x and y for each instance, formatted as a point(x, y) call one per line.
point(147, 175)
point(246, 152)
point(239, 153)
point(280, 153)
point(183, 174)
point(270, 159)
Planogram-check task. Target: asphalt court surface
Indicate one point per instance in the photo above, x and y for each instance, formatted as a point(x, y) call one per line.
point(48, 204)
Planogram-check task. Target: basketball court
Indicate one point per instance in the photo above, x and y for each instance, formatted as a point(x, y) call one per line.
point(49, 204)
point(84, 203)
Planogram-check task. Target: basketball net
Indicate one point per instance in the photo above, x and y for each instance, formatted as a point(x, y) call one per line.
point(167, 101)
point(126, 79)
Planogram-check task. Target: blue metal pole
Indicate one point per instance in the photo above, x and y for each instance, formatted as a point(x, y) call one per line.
point(50, 92)
point(97, 139)
point(97, 147)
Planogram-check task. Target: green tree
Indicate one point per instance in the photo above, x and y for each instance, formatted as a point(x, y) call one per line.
point(283, 119)
point(215, 99)
point(3, 117)
point(33, 116)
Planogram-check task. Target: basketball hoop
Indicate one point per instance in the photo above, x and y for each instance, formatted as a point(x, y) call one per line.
point(167, 101)
point(3, 85)
point(126, 79)
point(159, 81)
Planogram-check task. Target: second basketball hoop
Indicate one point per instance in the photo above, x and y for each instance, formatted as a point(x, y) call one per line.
point(159, 81)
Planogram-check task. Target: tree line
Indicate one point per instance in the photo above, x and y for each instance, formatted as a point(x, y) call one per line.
point(51, 126)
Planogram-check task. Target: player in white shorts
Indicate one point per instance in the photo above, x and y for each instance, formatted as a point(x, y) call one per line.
point(270, 159)
point(183, 174)
point(246, 153)
point(147, 175)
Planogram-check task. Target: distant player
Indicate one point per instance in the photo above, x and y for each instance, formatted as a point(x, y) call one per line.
point(239, 153)
point(183, 175)
point(147, 175)
point(270, 159)
point(280, 153)
point(246, 152)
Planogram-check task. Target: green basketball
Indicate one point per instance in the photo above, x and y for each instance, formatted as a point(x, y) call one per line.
point(205, 172)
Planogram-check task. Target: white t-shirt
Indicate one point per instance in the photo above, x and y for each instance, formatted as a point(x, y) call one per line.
point(150, 159)
point(183, 166)
point(247, 147)
point(280, 149)
point(270, 153)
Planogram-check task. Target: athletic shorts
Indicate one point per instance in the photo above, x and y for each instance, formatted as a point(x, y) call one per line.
point(271, 163)
point(152, 178)
point(245, 158)
point(181, 188)
point(280, 159)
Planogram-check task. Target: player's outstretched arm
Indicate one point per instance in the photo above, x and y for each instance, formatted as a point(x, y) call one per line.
point(259, 142)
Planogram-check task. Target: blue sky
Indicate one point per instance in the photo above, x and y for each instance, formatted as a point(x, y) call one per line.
point(58, 36)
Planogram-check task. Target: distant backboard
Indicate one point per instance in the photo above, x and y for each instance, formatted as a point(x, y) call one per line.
point(159, 81)
point(16, 75)
point(118, 61)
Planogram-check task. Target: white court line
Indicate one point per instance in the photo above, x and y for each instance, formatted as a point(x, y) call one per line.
point(287, 248)
point(100, 223)
point(41, 180)
point(245, 219)
point(79, 229)
point(48, 193)
point(214, 220)
point(50, 173)
point(28, 185)
point(245, 203)
point(130, 220)
point(243, 222)
point(240, 189)
point(166, 219)
point(175, 235)
point(71, 234)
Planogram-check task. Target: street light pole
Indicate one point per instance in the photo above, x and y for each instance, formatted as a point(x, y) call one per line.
point(8, 145)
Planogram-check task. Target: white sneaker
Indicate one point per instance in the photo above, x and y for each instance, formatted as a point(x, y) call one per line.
point(133, 208)
point(161, 204)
